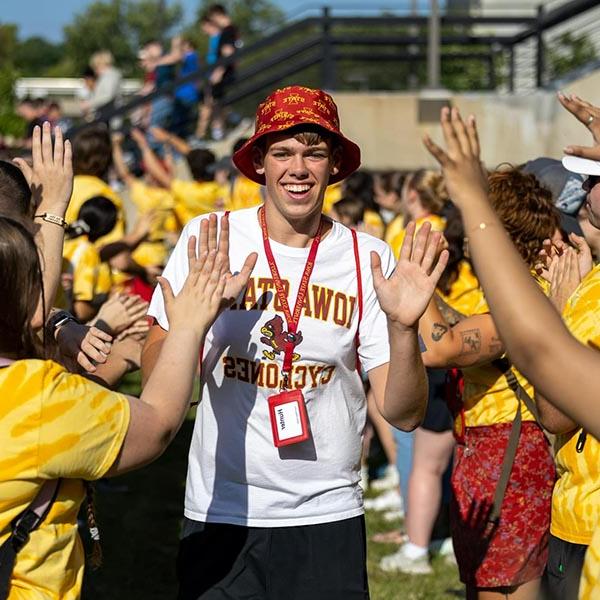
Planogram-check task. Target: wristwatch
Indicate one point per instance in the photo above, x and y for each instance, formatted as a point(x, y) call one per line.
point(57, 320)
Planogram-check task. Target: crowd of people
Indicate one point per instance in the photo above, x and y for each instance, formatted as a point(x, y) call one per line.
point(450, 314)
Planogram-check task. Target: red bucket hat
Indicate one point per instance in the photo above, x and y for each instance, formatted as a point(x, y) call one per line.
point(292, 106)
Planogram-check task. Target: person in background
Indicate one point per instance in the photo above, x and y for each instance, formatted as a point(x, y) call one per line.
point(149, 196)
point(360, 185)
point(161, 66)
point(457, 295)
point(422, 200)
point(500, 541)
point(187, 96)
point(222, 76)
point(32, 110)
point(191, 197)
point(387, 194)
point(107, 89)
point(91, 278)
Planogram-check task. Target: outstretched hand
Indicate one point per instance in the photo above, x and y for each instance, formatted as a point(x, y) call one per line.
point(235, 283)
point(210, 287)
point(589, 115)
point(51, 175)
point(465, 176)
point(406, 294)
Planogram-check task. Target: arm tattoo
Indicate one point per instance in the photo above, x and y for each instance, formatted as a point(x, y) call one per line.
point(496, 346)
point(451, 316)
point(471, 342)
point(439, 330)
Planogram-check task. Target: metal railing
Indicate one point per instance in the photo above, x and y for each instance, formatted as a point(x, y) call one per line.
point(322, 48)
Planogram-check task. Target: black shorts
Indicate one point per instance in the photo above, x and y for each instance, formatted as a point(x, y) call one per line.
point(563, 570)
point(438, 417)
point(312, 562)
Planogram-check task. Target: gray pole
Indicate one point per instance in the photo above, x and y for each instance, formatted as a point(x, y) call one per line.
point(433, 47)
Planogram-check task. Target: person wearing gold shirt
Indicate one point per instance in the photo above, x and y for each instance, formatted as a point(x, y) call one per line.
point(501, 549)
point(191, 198)
point(423, 197)
point(61, 430)
point(92, 159)
point(91, 278)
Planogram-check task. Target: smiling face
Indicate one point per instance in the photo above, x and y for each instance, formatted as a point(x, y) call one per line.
point(592, 202)
point(297, 172)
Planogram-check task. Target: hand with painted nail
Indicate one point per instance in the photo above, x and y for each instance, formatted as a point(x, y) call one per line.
point(51, 174)
point(466, 178)
point(587, 114)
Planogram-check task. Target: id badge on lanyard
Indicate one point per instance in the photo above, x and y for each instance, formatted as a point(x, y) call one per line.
point(287, 409)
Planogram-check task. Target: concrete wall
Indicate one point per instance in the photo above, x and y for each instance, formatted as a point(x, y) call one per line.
point(513, 128)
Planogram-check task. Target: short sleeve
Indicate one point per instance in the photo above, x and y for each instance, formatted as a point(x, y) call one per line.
point(374, 347)
point(85, 275)
point(82, 426)
point(175, 273)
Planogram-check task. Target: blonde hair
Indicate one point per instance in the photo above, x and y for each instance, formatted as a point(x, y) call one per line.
point(430, 188)
point(102, 58)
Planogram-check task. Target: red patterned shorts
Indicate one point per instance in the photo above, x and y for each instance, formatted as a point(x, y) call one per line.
point(514, 550)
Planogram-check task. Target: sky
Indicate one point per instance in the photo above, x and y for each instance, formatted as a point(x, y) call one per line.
point(46, 18)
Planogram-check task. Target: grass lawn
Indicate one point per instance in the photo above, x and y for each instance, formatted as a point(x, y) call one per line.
point(140, 528)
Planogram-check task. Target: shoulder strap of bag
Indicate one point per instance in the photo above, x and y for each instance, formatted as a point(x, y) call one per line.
point(22, 527)
point(504, 366)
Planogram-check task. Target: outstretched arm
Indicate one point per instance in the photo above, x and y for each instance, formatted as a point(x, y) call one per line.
point(162, 135)
point(564, 371)
point(151, 162)
point(400, 386)
point(51, 182)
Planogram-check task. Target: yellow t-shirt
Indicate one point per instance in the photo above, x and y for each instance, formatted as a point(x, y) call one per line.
point(576, 497)
point(53, 425)
point(333, 193)
point(589, 586)
point(245, 193)
point(465, 294)
point(394, 227)
point(437, 224)
point(91, 278)
point(487, 398)
point(193, 198)
point(373, 224)
point(84, 188)
point(154, 251)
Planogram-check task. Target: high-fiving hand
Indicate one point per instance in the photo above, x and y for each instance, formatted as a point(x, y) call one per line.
point(51, 175)
point(210, 286)
point(465, 176)
point(406, 294)
point(589, 115)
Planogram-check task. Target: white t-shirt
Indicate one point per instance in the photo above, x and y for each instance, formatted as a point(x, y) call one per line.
point(236, 474)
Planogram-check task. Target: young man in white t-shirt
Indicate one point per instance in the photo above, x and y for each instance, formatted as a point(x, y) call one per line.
point(273, 507)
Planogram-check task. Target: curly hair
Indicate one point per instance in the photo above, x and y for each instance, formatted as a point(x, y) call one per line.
point(525, 208)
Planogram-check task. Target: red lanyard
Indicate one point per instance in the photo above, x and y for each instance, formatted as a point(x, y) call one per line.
point(292, 320)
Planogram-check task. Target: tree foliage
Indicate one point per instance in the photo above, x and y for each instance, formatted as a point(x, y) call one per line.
point(121, 26)
point(570, 51)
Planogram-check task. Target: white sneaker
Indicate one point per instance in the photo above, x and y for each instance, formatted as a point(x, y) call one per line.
point(390, 480)
point(390, 500)
point(447, 551)
point(400, 562)
point(393, 515)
